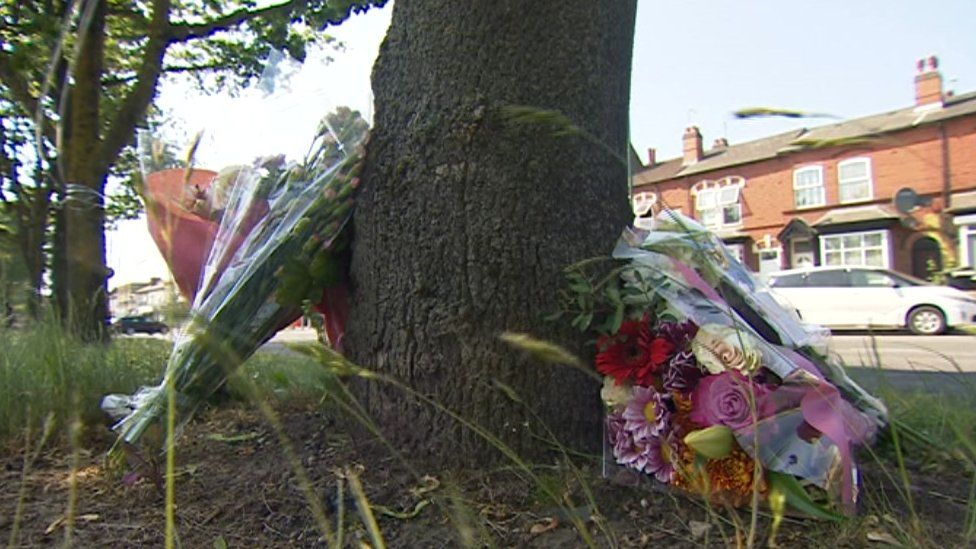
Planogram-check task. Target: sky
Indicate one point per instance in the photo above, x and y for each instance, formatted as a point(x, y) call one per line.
point(695, 62)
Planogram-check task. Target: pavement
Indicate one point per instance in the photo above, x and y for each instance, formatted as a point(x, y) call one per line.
point(945, 364)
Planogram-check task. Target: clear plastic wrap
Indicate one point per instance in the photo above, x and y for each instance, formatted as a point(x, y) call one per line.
point(249, 245)
point(698, 353)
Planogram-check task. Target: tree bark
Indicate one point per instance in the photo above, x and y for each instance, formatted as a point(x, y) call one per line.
point(467, 218)
point(83, 205)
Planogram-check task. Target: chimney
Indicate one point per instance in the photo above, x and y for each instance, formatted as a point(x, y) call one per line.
point(720, 144)
point(928, 82)
point(651, 157)
point(692, 146)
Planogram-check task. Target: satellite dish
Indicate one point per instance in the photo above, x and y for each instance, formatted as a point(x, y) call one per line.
point(906, 200)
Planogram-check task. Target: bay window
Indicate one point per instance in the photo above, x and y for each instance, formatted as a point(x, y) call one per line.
point(855, 249)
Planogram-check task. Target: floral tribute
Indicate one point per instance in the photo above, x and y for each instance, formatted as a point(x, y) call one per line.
point(710, 385)
point(253, 246)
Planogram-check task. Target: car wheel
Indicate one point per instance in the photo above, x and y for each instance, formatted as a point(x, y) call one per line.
point(163, 330)
point(130, 331)
point(926, 320)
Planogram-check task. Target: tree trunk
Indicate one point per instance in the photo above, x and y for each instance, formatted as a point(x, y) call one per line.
point(467, 218)
point(83, 204)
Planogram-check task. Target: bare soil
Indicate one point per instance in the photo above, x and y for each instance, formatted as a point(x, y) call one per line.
point(235, 488)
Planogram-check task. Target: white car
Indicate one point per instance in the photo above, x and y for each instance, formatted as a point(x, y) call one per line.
point(867, 297)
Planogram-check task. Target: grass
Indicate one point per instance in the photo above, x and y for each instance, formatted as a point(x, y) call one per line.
point(57, 383)
point(44, 372)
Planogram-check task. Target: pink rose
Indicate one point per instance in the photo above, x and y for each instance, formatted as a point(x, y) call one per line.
point(723, 399)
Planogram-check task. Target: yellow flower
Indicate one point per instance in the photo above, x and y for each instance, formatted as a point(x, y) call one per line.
point(719, 348)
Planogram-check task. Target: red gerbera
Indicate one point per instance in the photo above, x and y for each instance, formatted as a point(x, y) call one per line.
point(632, 353)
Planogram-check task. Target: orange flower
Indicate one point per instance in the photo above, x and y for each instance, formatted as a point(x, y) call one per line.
point(723, 481)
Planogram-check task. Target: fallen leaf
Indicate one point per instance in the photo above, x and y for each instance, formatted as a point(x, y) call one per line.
point(547, 525)
point(698, 528)
point(233, 439)
point(54, 526)
point(880, 536)
point(89, 517)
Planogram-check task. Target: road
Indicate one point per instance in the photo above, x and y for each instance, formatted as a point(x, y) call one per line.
point(947, 353)
point(943, 364)
point(936, 364)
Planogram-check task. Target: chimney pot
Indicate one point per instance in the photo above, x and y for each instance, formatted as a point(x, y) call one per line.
point(928, 82)
point(720, 143)
point(651, 157)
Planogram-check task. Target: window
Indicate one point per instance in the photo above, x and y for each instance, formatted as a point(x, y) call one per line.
point(967, 239)
point(967, 245)
point(797, 280)
point(855, 249)
point(808, 187)
point(829, 279)
point(718, 206)
point(643, 204)
point(854, 180)
point(872, 279)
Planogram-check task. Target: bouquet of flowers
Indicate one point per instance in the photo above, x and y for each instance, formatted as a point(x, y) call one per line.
point(710, 385)
point(251, 245)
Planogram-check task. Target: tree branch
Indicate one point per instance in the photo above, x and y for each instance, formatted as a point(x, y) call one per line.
point(171, 69)
point(18, 86)
point(20, 92)
point(182, 32)
point(134, 105)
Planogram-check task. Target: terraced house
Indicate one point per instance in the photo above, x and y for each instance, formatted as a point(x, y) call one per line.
point(896, 189)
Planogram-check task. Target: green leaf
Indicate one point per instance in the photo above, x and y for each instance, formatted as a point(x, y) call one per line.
point(613, 294)
point(616, 319)
point(797, 497)
point(220, 543)
point(586, 320)
point(580, 287)
point(553, 317)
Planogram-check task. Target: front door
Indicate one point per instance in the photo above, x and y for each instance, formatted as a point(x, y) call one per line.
point(926, 257)
point(801, 253)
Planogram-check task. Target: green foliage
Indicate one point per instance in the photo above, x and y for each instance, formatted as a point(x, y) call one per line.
point(105, 59)
point(601, 301)
point(796, 497)
point(44, 371)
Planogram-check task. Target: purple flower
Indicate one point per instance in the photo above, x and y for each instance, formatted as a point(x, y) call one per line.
point(682, 372)
point(723, 399)
point(678, 333)
point(651, 455)
point(646, 414)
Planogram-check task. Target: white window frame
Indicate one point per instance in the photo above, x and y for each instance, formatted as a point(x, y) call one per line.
point(799, 187)
point(967, 229)
point(712, 198)
point(885, 249)
point(965, 233)
point(867, 180)
point(643, 204)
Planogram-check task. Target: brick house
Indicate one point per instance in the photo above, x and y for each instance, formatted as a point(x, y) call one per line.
point(896, 189)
